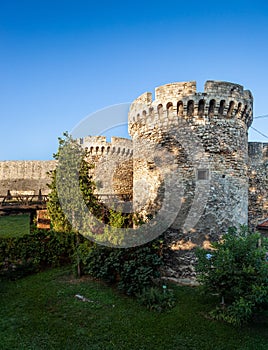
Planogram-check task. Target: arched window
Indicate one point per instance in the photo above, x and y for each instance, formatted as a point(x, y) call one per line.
point(230, 109)
point(238, 110)
point(190, 108)
point(160, 109)
point(211, 108)
point(180, 108)
point(169, 108)
point(201, 108)
point(221, 108)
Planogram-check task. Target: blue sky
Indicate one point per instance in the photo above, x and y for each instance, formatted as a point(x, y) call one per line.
point(63, 60)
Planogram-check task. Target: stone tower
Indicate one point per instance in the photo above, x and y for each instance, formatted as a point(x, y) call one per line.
point(204, 136)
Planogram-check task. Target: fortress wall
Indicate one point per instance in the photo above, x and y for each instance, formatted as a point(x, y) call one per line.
point(113, 164)
point(258, 182)
point(166, 133)
point(25, 176)
point(112, 172)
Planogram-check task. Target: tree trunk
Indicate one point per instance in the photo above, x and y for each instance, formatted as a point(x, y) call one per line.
point(77, 256)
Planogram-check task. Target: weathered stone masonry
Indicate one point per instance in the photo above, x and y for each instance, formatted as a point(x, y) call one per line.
point(219, 118)
point(258, 182)
point(177, 121)
point(113, 166)
point(112, 172)
point(26, 177)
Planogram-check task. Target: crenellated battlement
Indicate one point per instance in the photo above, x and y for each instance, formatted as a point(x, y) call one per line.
point(189, 160)
point(180, 100)
point(98, 146)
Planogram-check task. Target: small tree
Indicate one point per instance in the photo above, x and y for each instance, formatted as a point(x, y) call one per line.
point(237, 271)
point(72, 166)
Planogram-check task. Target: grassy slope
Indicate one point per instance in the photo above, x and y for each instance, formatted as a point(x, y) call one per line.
point(13, 226)
point(41, 312)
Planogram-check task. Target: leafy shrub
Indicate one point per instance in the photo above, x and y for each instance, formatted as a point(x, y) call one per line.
point(32, 252)
point(132, 269)
point(236, 270)
point(153, 298)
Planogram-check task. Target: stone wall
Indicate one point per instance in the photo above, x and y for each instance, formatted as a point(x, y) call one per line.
point(112, 171)
point(258, 182)
point(113, 164)
point(205, 137)
point(189, 149)
point(180, 120)
point(26, 177)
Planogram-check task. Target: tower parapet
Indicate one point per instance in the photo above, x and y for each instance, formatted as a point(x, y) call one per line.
point(180, 100)
point(99, 146)
point(218, 119)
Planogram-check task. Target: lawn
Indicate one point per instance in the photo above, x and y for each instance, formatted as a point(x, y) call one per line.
point(14, 225)
point(42, 312)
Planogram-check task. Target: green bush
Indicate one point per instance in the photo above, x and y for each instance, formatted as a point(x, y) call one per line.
point(153, 298)
point(237, 271)
point(131, 269)
point(32, 252)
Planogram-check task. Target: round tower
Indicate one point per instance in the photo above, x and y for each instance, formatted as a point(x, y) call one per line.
point(204, 136)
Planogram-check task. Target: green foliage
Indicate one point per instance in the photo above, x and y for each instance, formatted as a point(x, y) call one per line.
point(138, 269)
point(37, 250)
point(72, 167)
point(131, 269)
point(237, 270)
point(153, 298)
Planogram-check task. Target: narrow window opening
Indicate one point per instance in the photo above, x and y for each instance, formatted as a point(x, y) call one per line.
point(221, 108)
point(190, 108)
point(160, 109)
point(230, 109)
point(180, 108)
point(202, 174)
point(211, 108)
point(201, 108)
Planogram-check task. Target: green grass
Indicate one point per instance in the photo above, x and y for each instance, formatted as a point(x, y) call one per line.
point(14, 225)
point(41, 312)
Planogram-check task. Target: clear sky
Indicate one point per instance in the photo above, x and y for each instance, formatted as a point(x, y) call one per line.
point(61, 60)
